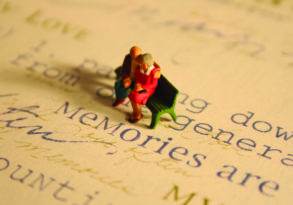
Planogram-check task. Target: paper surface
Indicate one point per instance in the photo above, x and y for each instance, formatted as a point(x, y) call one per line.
point(61, 142)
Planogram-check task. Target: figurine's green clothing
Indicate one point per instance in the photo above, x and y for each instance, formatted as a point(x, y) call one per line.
point(120, 91)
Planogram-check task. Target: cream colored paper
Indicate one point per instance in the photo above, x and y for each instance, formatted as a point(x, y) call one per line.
point(61, 142)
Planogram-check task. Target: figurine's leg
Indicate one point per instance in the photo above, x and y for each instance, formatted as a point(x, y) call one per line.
point(136, 115)
point(120, 92)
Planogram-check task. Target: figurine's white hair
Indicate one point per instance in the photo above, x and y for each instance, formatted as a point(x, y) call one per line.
point(147, 59)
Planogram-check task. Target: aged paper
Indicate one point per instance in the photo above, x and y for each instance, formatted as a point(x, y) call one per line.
point(61, 142)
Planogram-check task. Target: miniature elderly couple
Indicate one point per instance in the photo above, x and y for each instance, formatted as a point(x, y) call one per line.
point(137, 80)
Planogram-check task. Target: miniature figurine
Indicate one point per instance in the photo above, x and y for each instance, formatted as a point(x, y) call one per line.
point(125, 77)
point(140, 79)
point(146, 81)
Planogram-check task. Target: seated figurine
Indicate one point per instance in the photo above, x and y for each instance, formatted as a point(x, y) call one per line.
point(125, 80)
point(146, 77)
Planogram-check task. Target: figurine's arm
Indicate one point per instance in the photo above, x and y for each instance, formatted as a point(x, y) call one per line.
point(138, 87)
point(125, 66)
point(152, 82)
point(126, 81)
point(157, 74)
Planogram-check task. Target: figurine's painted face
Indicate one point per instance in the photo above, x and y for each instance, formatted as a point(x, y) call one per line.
point(134, 52)
point(144, 66)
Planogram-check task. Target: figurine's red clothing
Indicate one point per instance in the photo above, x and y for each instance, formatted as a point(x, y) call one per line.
point(148, 82)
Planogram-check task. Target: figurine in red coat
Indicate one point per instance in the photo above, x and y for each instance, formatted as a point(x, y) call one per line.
point(146, 77)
